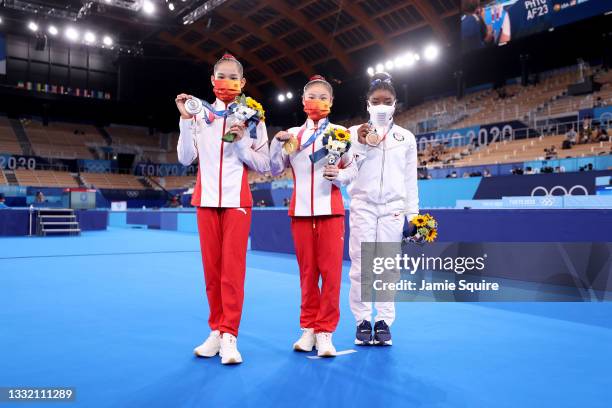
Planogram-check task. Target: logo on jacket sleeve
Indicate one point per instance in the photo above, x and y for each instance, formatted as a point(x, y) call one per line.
point(398, 136)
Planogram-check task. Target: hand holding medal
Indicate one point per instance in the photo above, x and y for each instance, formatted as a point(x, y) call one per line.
point(290, 142)
point(372, 138)
point(367, 134)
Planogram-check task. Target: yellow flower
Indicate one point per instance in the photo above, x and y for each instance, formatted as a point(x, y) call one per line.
point(428, 217)
point(433, 234)
point(253, 104)
point(342, 135)
point(419, 220)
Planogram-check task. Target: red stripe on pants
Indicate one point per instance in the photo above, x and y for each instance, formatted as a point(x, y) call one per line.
point(319, 244)
point(224, 234)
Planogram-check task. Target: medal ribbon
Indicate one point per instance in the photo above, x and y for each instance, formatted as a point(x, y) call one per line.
point(316, 134)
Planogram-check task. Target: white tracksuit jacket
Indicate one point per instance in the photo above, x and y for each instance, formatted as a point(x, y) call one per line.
point(383, 194)
point(222, 176)
point(313, 194)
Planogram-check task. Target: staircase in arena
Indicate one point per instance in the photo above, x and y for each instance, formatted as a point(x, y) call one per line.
point(105, 135)
point(146, 182)
point(56, 221)
point(78, 179)
point(22, 137)
point(94, 153)
point(11, 178)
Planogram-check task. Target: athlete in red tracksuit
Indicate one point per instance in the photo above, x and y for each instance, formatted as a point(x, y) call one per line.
point(223, 200)
point(317, 218)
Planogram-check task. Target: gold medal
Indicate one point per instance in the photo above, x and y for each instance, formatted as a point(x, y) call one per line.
point(291, 145)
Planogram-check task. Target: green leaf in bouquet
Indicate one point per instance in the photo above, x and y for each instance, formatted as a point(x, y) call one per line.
point(228, 137)
point(422, 231)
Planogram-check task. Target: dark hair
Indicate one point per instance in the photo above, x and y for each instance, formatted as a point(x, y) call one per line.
point(470, 6)
point(229, 57)
point(381, 80)
point(318, 79)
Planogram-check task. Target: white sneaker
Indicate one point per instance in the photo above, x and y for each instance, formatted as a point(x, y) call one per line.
point(229, 350)
point(325, 348)
point(210, 347)
point(306, 342)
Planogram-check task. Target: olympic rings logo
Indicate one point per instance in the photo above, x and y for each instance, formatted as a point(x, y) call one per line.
point(560, 188)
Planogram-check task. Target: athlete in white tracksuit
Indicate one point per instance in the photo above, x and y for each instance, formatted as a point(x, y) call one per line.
point(383, 195)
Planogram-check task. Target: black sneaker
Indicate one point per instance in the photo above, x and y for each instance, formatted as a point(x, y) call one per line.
point(382, 334)
point(363, 337)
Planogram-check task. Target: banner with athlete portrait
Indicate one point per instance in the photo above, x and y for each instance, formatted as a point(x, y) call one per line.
point(503, 21)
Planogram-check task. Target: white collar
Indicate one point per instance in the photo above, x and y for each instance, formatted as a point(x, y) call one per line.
point(310, 123)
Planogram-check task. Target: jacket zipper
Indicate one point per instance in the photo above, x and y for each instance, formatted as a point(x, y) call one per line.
point(382, 170)
point(312, 182)
point(221, 163)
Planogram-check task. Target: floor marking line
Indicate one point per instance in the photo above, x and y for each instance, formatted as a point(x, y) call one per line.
point(339, 353)
point(98, 254)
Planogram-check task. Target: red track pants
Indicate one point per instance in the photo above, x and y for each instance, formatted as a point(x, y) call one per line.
point(224, 234)
point(319, 243)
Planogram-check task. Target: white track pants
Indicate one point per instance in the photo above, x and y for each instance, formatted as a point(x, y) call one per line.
point(372, 223)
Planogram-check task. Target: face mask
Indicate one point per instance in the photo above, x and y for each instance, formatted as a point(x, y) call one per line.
point(381, 115)
point(226, 89)
point(316, 109)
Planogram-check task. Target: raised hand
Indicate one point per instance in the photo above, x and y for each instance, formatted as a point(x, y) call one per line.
point(180, 105)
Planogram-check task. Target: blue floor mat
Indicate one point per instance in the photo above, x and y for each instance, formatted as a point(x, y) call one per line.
point(116, 315)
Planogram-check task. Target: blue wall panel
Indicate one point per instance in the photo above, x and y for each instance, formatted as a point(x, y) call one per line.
point(444, 192)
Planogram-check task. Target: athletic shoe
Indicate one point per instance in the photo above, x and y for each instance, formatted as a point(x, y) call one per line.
point(325, 348)
point(363, 337)
point(306, 341)
point(210, 347)
point(229, 350)
point(382, 334)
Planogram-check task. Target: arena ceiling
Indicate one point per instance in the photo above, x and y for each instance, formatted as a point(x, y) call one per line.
point(280, 42)
point(283, 42)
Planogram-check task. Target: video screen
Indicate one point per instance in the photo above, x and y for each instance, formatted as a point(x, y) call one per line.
point(487, 24)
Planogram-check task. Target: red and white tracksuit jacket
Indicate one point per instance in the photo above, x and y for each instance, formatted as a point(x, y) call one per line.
point(224, 202)
point(383, 194)
point(317, 226)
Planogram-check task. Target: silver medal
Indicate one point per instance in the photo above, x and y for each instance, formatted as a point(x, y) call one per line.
point(193, 106)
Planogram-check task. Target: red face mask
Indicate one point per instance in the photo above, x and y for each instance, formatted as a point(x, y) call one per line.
point(316, 109)
point(226, 89)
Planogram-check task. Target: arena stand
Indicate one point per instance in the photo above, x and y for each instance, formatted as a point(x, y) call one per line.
point(113, 181)
point(8, 139)
point(62, 140)
point(174, 182)
point(45, 178)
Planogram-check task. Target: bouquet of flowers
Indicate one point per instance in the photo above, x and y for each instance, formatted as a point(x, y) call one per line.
point(244, 110)
point(425, 229)
point(337, 141)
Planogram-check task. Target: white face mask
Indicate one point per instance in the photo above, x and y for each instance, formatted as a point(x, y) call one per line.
point(381, 115)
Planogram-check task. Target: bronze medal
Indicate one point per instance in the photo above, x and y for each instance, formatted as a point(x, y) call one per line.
point(372, 138)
